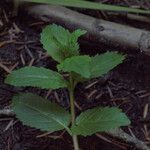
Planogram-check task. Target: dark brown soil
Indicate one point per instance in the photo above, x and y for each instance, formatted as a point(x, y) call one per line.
point(127, 86)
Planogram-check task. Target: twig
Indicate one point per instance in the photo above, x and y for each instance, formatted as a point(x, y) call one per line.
point(118, 133)
point(133, 17)
point(109, 141)
point(138, 18)
point(5, 68)
point(104, 31)
point(6, 42)
point(91, 84)
point(6, 112)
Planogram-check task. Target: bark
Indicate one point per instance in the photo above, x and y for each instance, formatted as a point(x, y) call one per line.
point(104, 31)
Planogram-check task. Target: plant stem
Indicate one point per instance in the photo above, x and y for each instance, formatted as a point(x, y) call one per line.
point(71, 95)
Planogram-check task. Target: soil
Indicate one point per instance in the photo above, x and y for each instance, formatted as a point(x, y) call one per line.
point(127, 86)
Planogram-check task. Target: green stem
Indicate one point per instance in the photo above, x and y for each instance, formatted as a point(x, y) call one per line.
point(71, 94)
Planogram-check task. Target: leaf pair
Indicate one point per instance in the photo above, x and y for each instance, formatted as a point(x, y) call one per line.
point(85, 66)
point(91, 67)
point(59, 42)
point(37, 112)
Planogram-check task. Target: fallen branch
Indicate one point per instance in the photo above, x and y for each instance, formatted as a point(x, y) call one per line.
point(118, 133)
point(106, 32)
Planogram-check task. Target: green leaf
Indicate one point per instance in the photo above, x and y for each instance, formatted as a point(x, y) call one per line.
point(34, 111)
point(98, 120)
point(36, 77)
point(73, 40)
point(90, 5)
point(102, 64)
point(91, 67)
point(77, 64)
point(59, 42)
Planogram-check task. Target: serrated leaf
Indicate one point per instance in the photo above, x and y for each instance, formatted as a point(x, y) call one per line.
point(98, 120)
point(73, 40)
point(59, 42)
point(91, 67)
point(102, 64)
point(36, 77)
point(77, 33)
point(35, 111)
point(77, 64)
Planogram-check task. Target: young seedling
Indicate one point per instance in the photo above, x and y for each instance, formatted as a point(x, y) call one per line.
point(37, 112)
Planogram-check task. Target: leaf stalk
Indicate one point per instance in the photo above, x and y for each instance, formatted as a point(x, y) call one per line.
point(72, 108)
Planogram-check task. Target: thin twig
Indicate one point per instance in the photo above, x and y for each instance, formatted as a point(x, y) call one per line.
point(109, 141)
point(118, 133)
point(5, 68)
point(7, 112)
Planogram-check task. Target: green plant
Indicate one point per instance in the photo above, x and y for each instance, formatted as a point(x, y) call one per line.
point(37, 112)
point(89, 5)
